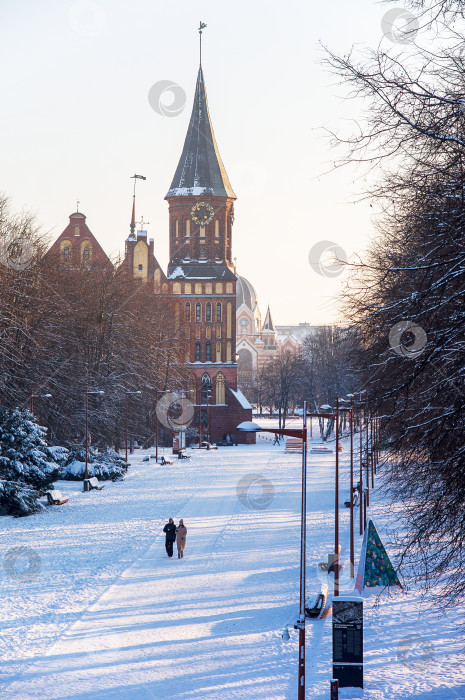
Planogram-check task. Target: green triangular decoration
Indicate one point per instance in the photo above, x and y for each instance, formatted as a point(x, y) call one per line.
point(378, 568)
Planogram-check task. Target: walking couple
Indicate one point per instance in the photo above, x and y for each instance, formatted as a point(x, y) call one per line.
point(173, 534)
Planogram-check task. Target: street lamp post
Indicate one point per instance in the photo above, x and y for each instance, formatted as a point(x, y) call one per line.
point(352, 556)
point(128, 393)
point(361, 458)
point(88, 393)
point(157, 391)
point(367, 454)
point(336, 508)
point(38, 396)
point(209, 395)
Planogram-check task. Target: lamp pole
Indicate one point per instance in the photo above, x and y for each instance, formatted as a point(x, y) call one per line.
point(303, 556)
point(367, 419)
point(88, 393)
point(38, 396)
point(128, 393)
point(157, 391)
point(336, 508)
point(352, 557)
point(208, 411)
point(361, 465)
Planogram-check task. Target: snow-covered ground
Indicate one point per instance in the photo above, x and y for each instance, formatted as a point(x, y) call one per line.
point(103, 613)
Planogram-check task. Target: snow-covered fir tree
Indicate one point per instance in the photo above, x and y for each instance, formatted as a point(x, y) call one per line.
point(24, 454)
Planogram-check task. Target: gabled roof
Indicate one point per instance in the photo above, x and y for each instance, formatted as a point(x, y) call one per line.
point(77, 232)
point(268, 322)
point(200, 169)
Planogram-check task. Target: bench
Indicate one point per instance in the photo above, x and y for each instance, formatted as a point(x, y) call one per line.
point(92, 483)
point(207, 446)
point(166, 460)
point(181, 455)
point(55, 498)
point(315, 607)
point(294, 445)
point(223, 443)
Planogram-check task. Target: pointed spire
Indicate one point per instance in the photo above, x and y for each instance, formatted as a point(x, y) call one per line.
point(200, 169)
point(133, 217)
point(268, 324)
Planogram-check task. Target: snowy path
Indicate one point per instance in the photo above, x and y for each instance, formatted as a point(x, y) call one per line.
point(208, 626)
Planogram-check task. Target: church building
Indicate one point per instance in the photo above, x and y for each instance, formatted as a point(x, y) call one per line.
point(200, 275)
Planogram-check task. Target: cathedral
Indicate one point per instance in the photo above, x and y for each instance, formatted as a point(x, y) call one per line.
point(200, 275)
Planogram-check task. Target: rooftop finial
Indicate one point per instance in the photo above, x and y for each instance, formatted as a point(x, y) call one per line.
point(133, 217)
point(201, 27)
point(77, 205)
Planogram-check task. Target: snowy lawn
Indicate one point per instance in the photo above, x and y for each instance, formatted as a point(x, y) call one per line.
point(105, 614)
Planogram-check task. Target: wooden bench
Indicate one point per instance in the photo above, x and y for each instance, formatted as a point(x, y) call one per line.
point(166, 460)
point(55, 498)
point(207, 446)
point(223, 443)
point(294, 445)
point(315, 607)
point(92, 483)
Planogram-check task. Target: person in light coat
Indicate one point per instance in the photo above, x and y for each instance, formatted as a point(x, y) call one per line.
point(181, 532)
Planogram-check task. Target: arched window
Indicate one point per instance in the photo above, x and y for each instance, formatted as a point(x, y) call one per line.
point(77, 231)
point(208, 351)
point(197, 352)
point(220, 388)
point(198, 311)
point(86, 250)
point(208, 314)
point(187, 288)
point(157, 279)
point(218, 351)
point(206, 387)
point(219, 311)
point(66, 252)
point(208, 288)
point(188, 311)
point(228, 319)
point(229, 288)
point(208, 332)
point(177, 288)
point(218, 331)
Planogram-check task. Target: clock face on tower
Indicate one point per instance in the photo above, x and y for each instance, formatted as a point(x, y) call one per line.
point(202, 213)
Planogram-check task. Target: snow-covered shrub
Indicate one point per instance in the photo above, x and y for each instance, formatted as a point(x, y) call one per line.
point(18, 499)
point(24, 454)
point(60, 454)
point(106, 466)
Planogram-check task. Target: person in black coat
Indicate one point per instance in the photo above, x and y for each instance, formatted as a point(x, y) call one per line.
point(170, 532)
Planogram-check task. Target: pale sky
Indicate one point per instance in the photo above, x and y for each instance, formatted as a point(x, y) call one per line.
point(76, 123)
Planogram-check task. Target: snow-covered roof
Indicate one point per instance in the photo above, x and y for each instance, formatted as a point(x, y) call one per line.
point(241, 398)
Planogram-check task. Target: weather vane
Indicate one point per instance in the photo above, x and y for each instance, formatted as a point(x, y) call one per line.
point(201, 27)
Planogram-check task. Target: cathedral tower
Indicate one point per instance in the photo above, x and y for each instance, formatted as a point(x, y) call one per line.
point(201, 272)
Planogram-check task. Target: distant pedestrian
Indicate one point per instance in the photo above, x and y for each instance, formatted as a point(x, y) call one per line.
point(170, 532)
point(181, 533)
point(276, 439)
